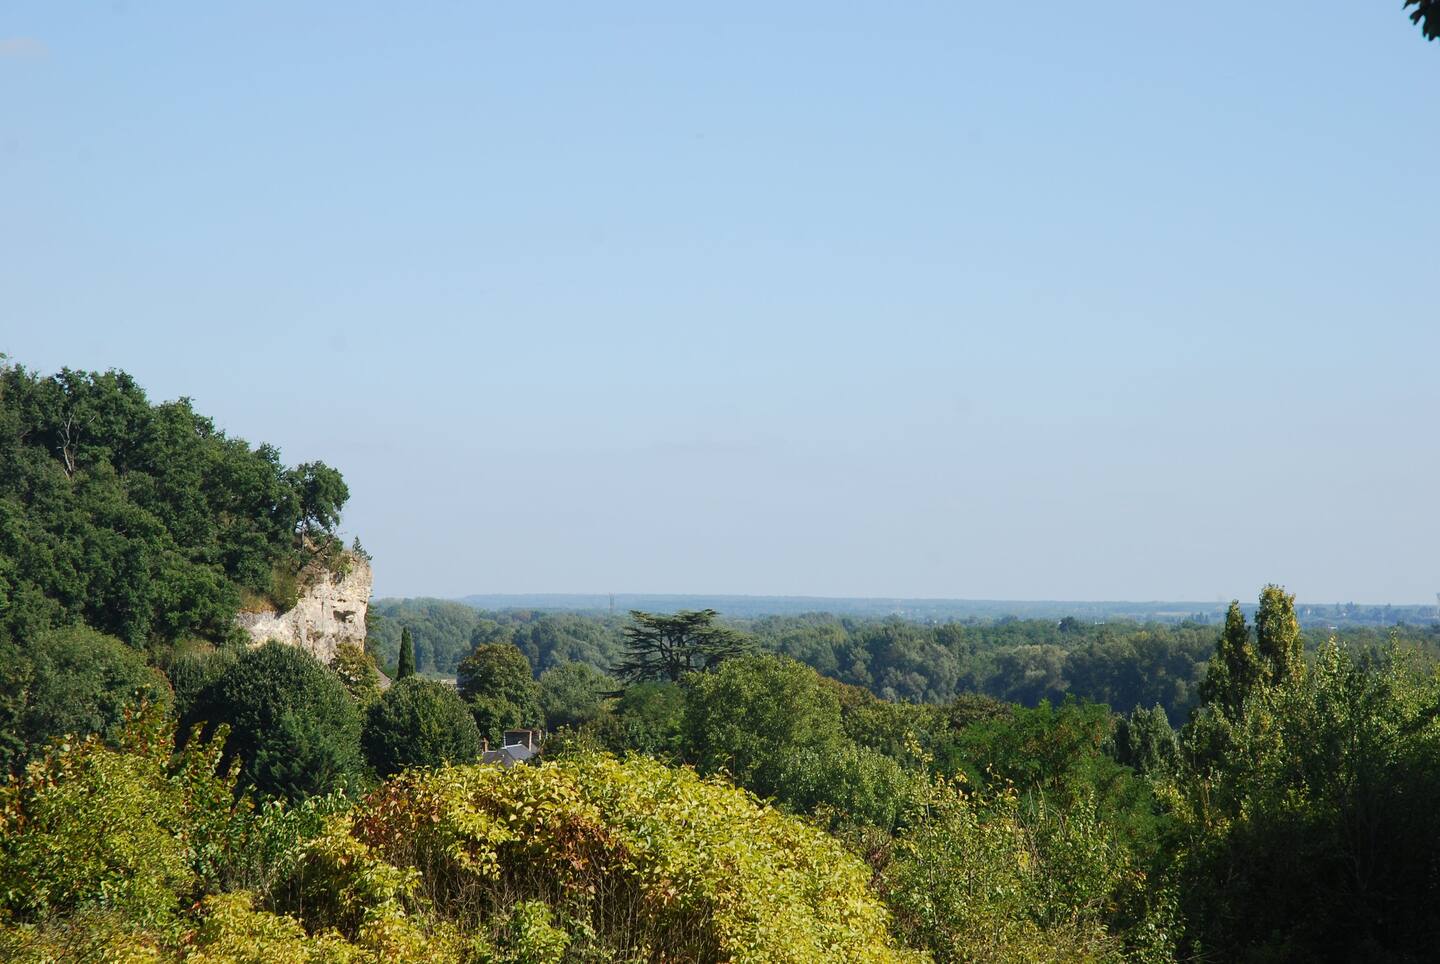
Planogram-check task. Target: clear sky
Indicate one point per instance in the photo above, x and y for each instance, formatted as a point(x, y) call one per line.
point(1000, 300)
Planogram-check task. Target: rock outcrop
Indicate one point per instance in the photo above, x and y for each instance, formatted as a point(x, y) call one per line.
point(329, 612)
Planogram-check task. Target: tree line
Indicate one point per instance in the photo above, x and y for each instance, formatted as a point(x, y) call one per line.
point(1121, 663)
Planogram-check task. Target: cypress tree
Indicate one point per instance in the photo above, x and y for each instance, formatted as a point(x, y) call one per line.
point(406, 664)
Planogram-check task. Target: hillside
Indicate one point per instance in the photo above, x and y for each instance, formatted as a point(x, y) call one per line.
point(143, 520)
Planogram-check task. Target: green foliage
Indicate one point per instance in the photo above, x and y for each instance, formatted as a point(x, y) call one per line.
point(635, 860)
point(573, 694)
point(645, 719)
point(357, 673)
point(68, 681)
point(292, 725)
point(405, 663)
point(496, 682)
point(322, 493)
point(141, 520)
point(440, 632)
point(849, 785)
point(192, 668)
point(1277, 637)
point(419, 723)
point(116, 829)
point(749, 715)
point(1315, 834)
point(1235, 668)
point(1145, 742)
point(659, 647)
point(980, 880)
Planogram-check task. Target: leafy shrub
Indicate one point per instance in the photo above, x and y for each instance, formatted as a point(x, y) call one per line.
point(115, 829)
point(419, 723)
point(634, 859)
point(849, 784)
point(752, 713)
point(977, 881)
point(69, 681)
point(292, 725)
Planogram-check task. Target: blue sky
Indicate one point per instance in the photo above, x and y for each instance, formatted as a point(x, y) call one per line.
point(928, 299)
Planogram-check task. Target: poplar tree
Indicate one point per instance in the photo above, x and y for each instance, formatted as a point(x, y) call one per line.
point(1277, 637)
point(1235, 667)
point(405, 666)
point(1274, 655)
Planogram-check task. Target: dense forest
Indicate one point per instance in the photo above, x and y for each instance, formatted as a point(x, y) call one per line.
point(1120, 663)
point(787, 788)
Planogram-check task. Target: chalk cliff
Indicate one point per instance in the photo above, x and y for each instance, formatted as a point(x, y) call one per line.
point(329, 612)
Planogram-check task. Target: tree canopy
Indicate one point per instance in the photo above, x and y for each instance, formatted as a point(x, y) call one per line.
point(496, 682)
point(291, 723)
point(667, 647)
point(71, 681)
point(143, 520)
point(419, 723)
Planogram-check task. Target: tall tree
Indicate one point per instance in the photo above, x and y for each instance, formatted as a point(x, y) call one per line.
point(1235, 668)
point(405, 666)
point(1274, 655)
point(1277, 636)
point(667, 647)
point(497, 682)
point(292, 725)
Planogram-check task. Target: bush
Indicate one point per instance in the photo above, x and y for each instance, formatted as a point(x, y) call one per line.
point(976, 882)
point(634, 860)
point(292, 725)
point(72, 681)
point(419, 723)
point(105, 828)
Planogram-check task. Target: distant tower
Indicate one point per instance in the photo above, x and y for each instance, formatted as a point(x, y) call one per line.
point(1437, 607)
point(612, 602)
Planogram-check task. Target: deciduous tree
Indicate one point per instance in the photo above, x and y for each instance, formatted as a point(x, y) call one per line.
point(419, 723)
point(497, 682)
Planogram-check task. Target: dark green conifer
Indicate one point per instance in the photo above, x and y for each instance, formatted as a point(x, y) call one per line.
point(405, 666)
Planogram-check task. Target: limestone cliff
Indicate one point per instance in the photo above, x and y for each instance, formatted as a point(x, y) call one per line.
point(329, 612)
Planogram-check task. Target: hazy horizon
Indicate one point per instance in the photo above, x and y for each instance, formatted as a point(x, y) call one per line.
point(1002, 303)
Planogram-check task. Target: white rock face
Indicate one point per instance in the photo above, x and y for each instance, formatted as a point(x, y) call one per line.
point(330, 612)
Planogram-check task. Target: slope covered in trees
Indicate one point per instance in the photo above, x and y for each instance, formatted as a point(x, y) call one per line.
point(141, 520)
